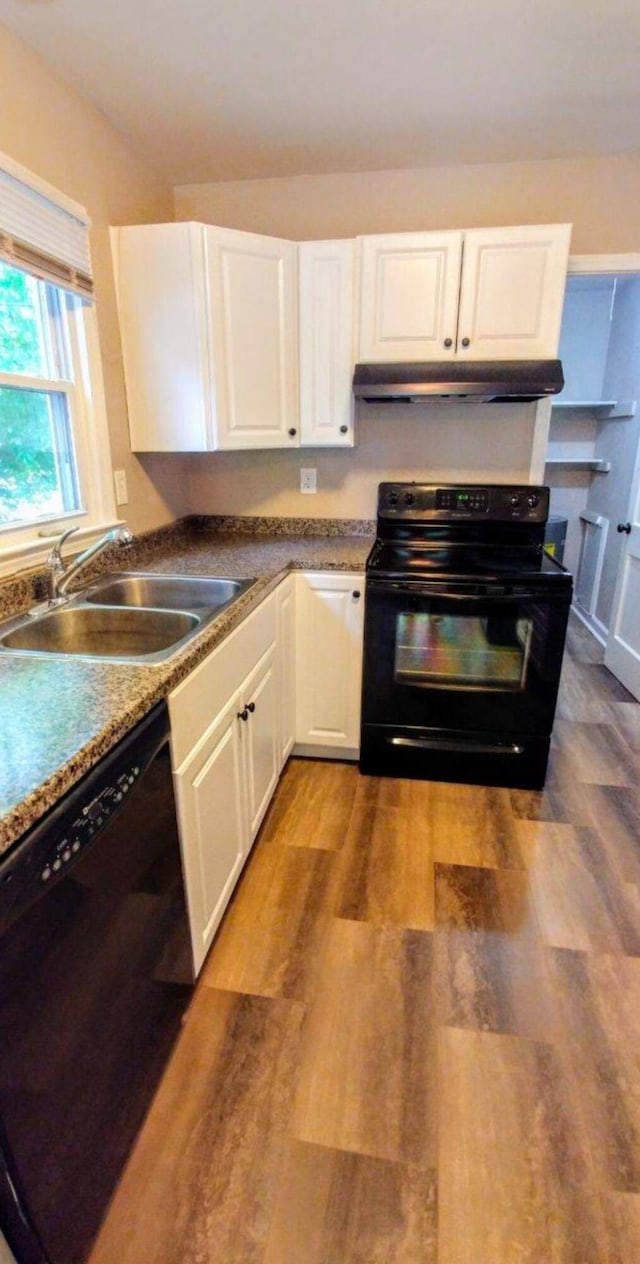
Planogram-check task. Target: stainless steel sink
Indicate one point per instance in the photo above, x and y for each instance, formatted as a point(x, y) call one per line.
point(105, 632)
point(131, 617)
point(165, 592)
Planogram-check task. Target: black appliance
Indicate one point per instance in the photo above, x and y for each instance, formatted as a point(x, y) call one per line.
point(95, 976)
point(465, 626)
point(478, 381)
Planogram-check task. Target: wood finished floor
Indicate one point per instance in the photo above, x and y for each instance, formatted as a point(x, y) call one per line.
point(417, 1036)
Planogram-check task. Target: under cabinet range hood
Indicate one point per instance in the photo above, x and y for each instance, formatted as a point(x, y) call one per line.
point(478, 381)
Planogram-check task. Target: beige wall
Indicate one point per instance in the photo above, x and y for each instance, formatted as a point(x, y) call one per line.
point(50, 129)
point(438, 442)
point(599, 196)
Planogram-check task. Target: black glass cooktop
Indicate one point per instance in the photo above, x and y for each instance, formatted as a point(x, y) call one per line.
point(461, 561)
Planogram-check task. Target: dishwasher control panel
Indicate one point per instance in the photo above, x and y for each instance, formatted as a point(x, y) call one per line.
point(51, 848)
point(90, 820)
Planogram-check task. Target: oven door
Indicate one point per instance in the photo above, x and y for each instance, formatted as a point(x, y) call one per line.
point(460, 657)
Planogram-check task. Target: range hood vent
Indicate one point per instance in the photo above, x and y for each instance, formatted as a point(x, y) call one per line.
point(478, 381)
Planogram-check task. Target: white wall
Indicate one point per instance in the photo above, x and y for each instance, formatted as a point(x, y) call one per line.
point(584, 347)
point(584, 337)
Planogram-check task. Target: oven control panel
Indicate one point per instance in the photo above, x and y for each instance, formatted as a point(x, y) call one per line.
point(456, 502)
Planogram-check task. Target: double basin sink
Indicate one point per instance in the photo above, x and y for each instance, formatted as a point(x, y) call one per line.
point(127, 617)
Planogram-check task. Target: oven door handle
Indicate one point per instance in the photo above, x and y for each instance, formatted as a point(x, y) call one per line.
point(446, 594)
point(457, 747)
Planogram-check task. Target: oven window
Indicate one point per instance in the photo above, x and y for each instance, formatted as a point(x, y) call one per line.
point(451, 651)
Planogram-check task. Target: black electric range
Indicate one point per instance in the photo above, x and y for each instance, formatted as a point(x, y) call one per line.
point(465, 627)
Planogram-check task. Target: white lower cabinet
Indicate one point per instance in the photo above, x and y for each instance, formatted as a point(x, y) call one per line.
point(224, 744)
point(329, 632)
point(290, 672)
point(211, 812)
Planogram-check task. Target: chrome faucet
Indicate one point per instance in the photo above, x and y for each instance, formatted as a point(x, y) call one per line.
point(60, 576)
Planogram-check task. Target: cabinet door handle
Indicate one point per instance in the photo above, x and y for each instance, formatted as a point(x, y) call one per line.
point(624, 528)
point(343, 429)
point(251, 706)
point(448, 342)
point(465, 342)
point(355, 595)
point(243, 715)
point(293, 432)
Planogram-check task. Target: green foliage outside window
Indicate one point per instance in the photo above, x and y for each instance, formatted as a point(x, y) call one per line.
point(29, 479)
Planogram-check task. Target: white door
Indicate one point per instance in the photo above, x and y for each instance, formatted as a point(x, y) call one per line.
point(259, 733)
point(329, 631)
point(326, 271)
point(512, 292)
point(622, 653)
point(253, 321)
point(409, 286)
point(210, 800)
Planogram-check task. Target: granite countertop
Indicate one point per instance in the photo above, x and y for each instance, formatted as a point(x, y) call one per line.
point(58, 716)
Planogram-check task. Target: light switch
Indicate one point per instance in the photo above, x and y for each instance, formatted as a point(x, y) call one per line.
point(120, 480)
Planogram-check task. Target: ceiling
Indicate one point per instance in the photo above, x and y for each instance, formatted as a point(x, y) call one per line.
point(231, 89)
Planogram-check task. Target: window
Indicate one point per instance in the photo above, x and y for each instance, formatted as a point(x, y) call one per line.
point(38, 462)
point(54, 454)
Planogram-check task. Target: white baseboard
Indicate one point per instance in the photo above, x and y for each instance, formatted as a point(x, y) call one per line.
point(326, 752)
point(594, 625)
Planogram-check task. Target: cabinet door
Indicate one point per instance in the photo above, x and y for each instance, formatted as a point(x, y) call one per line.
point(329, 623)
point(253, 323)
point(213, 831)
point(258, 697)
point(286, 663)
point(326, 296)
point(513, 282)
point(409, 286)
point(162, 310)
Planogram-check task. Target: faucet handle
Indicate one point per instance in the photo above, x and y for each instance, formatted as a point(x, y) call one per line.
point(55, 564)
point(56, 553)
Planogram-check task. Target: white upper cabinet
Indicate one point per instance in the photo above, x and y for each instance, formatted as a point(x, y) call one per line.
point(208, 320)
point(254, 345)
point(160, 284)
point(482, 294)
point(326, 279)
point(513, 283)
point(409, 285)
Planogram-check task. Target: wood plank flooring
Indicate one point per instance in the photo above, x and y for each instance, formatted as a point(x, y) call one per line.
point(417, 1037)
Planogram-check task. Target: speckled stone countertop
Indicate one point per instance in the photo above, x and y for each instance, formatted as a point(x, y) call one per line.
point(58, 716)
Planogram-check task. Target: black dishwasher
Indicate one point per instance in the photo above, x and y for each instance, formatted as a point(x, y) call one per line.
point(95, 976)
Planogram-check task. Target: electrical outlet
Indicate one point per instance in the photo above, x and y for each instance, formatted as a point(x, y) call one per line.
point(120, 480)
point(308, 483)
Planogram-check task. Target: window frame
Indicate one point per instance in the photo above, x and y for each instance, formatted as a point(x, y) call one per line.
point(31, 542)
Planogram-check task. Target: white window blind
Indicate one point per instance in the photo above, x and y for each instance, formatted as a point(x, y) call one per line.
point(42, 231)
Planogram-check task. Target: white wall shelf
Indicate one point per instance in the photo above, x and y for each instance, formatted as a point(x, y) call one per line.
point(603, 409)
point(575, 463)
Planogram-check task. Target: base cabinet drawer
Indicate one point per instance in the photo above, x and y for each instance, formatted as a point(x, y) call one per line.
point(205, 692)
